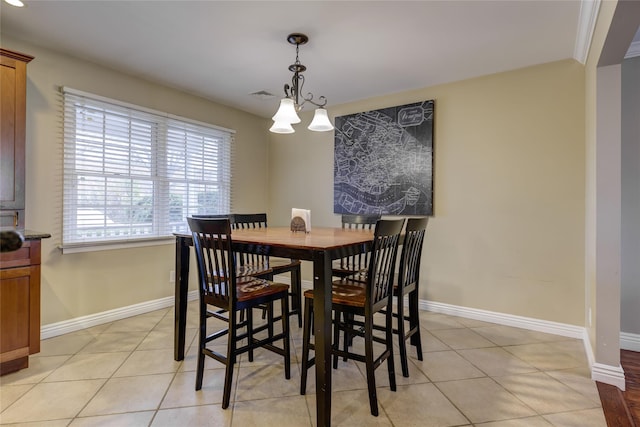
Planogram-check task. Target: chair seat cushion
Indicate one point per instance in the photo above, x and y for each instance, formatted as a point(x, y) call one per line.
point(251, 287)
point(345, 292)
point(283, 264)
point(252, 270)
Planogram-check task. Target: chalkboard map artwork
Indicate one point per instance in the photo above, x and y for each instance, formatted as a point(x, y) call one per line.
point(383, 161)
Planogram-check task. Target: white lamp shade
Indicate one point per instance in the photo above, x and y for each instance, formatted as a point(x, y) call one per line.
point(286, 112)
point(281, 127)
point(320, 122)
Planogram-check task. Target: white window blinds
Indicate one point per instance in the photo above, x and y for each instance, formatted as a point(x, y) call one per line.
point(134, 174)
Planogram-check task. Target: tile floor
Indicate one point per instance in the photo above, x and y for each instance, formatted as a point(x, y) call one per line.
point(473, 374)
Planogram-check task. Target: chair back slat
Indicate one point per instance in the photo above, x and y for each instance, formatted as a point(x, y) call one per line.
point(409, 268)
point(363, 222)
point(382, 262)
point(215, 260)
point(359, 221)
point(249, 221)
point(258, 220)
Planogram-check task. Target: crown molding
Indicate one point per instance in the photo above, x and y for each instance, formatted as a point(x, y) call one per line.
point(586, 25)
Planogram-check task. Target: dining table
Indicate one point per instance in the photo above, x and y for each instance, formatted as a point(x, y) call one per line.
point(321, 245)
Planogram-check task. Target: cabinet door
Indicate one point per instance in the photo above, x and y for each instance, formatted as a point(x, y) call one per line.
point(12, 132)
point(15, 312)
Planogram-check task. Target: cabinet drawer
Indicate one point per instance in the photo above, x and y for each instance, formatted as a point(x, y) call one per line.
point(28, 254)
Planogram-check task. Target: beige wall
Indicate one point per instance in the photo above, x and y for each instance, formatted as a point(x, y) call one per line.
point(508, 230)
point(87, 283)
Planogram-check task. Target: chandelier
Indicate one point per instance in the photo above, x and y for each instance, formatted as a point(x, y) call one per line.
point(294, 99)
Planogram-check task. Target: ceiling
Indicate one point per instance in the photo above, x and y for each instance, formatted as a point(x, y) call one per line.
point(227, 50)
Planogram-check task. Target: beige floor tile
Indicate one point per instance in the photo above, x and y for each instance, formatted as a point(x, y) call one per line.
point(51, 423)
point(482, 400)
point(87, 366)
point(290, 411)
point(586, 418)
point(437, 321)
point(148, 362)
point(129, 394)
point(429, 343)
point(182, 391)
point(39, 368)
point(121, 373)
point(519, 422)
point(416, 376)
point(447, 366)
point(495, 361)
point(462, 338)
point(545, 394)
point(347, 377)
point(207, 415)
point(264, 382)
point(51, 401)
point(67, 344)
point(351, 409)
point(550, 356)
point(579, 379)
point(144, 322)
point(419, 405)
point(11, 393)
point(507, 335)
point(159, 339)
point(115, 341)
point(131, 419)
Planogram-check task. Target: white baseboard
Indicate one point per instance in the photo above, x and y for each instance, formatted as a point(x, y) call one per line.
point(629, 341)
point(83, 322)
point(613, 375)
point(546, 326)
point(607, 374)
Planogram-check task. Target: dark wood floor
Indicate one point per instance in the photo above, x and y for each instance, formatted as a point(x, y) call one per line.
point(622, 408)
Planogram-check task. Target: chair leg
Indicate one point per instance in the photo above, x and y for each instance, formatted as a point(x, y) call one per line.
point(402, 344)
point(249, 330)
point(296, 293)
point(370, 368)
point(285, 339)
point(201, 344)
point(231, 359)
point(389, 345)
point(306, 337)
point(337, 317)
point(414, 322)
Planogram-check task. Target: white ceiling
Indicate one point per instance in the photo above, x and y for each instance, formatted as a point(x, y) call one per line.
point(226, 50)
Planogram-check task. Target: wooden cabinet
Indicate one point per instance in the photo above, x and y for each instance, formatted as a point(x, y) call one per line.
point(19, 306)
point(13, 90)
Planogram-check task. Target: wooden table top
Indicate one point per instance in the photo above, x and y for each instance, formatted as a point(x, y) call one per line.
point(319, 238)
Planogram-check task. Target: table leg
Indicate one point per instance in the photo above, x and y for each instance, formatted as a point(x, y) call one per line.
point(181, 291)
point(322, 330)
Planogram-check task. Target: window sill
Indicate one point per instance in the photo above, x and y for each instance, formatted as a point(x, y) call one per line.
point(114, 245)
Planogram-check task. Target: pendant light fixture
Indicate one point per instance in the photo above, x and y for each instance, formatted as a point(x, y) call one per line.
point(287, 113)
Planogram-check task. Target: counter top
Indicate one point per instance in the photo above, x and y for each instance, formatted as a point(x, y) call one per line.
point(27, 234)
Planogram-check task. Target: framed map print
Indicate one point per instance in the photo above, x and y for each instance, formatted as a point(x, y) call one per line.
point(383, 161)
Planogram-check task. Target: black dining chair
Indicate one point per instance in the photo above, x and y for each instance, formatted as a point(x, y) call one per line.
point(224, 295)
point(354, 264)
point(350, 298)
point(407, 283)
point(275, 265)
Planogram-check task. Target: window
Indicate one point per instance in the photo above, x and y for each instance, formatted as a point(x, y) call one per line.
point(133, 174)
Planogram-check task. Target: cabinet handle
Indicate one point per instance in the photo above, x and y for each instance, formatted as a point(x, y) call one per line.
point(15, 219)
